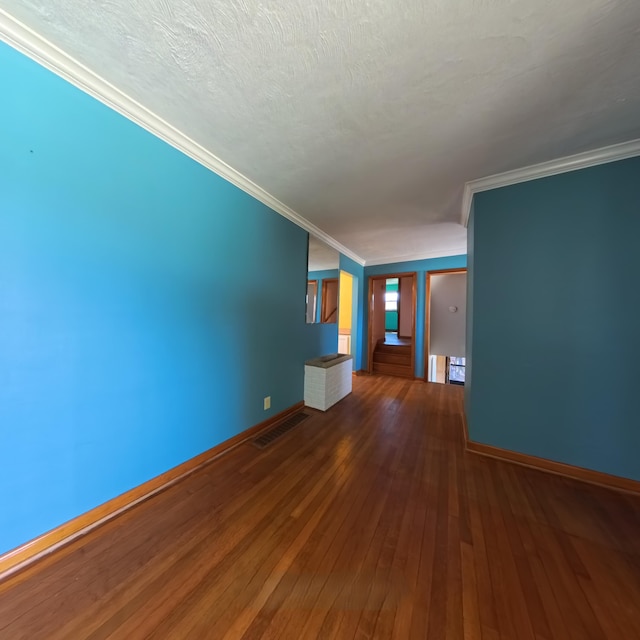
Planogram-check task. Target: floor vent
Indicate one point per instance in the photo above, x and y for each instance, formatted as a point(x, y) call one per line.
point(270, 436)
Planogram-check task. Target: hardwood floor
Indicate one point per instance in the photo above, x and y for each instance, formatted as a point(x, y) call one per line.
point(369, 521)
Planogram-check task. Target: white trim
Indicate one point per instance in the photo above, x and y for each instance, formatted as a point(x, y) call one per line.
point(429, 255)
point(592, 158)
point(21, 37)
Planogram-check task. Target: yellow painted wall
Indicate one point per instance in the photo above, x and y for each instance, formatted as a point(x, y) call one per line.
point(346, 302)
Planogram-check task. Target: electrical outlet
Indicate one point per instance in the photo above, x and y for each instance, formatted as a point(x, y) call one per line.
point(267, 402)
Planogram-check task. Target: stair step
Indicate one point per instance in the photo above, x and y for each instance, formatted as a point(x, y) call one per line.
point(392, 370)
point(393, 348)
point(392, 358)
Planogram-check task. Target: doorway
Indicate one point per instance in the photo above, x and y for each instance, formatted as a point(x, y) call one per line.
point(312, 301)
point(445, 326)
point(345, 314)
point(329, 305)
point(392, 322)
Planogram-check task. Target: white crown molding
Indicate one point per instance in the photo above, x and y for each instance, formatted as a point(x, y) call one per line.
point(592, 158)
point(21, 37)
point(428, 255)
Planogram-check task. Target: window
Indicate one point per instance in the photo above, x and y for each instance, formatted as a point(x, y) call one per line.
point(391, 301)
point(457, 370)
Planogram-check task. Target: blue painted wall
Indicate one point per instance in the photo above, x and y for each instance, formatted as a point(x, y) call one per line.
point(324, 336)
point(146, 305)
point(320, 339)
point(358, 330)
point(555, 348)
point(421, 267)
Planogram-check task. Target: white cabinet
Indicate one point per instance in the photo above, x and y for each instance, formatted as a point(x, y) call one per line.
point(327, 380)
point(344, 343)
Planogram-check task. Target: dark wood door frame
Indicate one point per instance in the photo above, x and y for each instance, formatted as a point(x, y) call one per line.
point(325, 311)
point(370, 344)
point(427, 313)
point(314, 286)
point(399, 299)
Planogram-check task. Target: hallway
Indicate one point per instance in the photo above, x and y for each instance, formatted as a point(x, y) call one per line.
point(368, 521)
point(391, 337)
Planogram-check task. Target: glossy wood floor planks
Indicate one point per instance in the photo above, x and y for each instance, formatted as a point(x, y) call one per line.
point(368, 521)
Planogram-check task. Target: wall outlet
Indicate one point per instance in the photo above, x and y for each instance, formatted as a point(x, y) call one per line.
point(267, 402)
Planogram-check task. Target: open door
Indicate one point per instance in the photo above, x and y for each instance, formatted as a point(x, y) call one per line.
point(312, 300)
point(329, 310)
point(345, 314)
point(392, 352)
point(445, 326)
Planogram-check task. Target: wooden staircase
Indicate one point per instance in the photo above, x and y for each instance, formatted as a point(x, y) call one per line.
point(392, 360)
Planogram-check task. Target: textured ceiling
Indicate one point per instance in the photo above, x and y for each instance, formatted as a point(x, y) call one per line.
point(367, 117)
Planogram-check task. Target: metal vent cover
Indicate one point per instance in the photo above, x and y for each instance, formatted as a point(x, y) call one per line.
point(268, 437)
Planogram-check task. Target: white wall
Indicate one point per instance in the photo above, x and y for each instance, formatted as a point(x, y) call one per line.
point(447, 329)
point(405, 327)
point(377, 313)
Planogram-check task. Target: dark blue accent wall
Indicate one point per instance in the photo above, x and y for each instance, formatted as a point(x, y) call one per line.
point(555, 316)
point(468, 374)
point(146, 305)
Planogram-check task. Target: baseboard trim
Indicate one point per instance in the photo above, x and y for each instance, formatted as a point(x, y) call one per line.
point(465, 430)
point(550, 466)
point(19, 558)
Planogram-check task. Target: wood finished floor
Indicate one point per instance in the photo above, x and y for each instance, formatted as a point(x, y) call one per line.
point(369, 521)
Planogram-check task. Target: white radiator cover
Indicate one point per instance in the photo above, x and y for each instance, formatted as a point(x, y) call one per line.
point(344, 343)
point(325, 385)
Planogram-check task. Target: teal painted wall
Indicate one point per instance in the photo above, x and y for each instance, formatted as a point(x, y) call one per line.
point(357, 271)
point(468, 372)
point(391, 317)
point(146, 305)
point(321, 338)
point(421, 267)
point(555, 348)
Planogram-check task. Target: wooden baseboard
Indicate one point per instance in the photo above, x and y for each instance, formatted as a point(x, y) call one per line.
point(550, 466)
point(22, 556)
point(465, 430)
